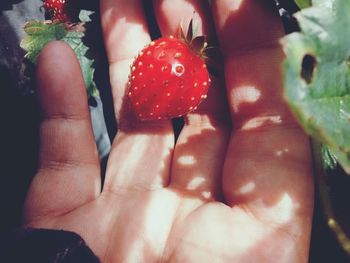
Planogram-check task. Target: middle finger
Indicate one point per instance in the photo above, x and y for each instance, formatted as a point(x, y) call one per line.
point(201, 146)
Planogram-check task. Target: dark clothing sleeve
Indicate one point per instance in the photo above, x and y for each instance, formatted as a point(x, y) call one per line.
point(44, 246)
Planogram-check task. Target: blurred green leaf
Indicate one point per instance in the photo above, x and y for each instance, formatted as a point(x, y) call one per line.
point(38, 35)
point(317, 76)
point(303, 3)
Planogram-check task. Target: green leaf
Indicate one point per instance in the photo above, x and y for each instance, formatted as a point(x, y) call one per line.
point(303, 3)
point(324, 3)
point(84, 16)
point(39, 33)
point(317, 75)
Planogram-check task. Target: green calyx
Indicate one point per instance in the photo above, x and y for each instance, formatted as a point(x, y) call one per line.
point(196, 43)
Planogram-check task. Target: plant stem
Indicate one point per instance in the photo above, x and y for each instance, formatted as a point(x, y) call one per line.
point(323, 189)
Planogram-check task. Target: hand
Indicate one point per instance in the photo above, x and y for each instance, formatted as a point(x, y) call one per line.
point(221, 194)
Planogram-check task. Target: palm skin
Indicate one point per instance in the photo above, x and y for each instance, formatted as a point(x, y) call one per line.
point(222, 193)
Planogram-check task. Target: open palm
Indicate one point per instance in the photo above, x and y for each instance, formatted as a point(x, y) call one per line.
point(236, 186)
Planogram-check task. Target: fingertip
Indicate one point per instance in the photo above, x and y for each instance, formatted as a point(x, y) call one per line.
point(61, 87)
point(56, 56)
point(124, 27)
point(55, 47)
point(246, 24)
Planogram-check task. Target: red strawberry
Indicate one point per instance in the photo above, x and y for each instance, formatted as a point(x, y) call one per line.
point(58, 9)
point(168, 78)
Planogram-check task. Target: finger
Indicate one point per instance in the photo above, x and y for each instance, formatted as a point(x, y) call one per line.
point(268, 167)
point(200, 149)
point(68, 174)
point(141, 152)
point(125, 34)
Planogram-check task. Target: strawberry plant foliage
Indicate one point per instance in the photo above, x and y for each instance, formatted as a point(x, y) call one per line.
point(317, 75)
point(39, 33)
point(303, 3)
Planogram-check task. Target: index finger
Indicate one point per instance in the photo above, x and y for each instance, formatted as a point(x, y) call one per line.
point(125, 35)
